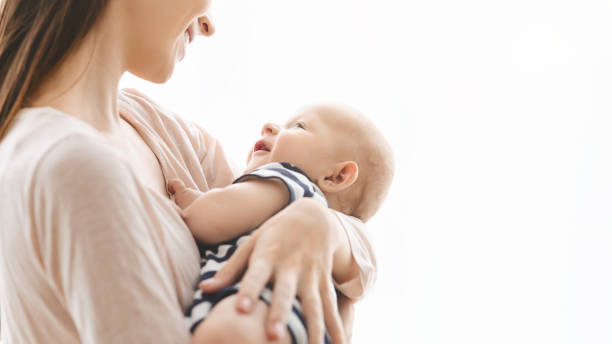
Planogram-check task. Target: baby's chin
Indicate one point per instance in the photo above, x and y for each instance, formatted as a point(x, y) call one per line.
point(251, 165)
point(257, 163)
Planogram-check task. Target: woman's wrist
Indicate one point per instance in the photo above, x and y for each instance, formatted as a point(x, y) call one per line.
point(344, 267)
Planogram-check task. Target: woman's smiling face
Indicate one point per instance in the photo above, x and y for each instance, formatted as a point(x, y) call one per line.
point(157, 32)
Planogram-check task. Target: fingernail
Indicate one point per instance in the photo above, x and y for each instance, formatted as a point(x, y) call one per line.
point(276, 329)
point(245, 304)
point(205, 284)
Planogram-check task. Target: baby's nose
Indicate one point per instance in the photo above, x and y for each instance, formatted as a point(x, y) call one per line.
point(270, 128)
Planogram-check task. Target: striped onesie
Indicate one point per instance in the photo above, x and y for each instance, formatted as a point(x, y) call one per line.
point(214, 256)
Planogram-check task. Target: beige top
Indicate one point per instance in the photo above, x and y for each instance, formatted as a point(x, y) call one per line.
point(88, 253)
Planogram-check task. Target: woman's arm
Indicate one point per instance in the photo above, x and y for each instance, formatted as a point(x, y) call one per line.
point(100, 249)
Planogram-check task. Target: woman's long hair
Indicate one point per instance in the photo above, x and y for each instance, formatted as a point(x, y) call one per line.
point(34, 37)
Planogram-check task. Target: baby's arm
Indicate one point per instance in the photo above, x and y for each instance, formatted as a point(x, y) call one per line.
point(222, 214)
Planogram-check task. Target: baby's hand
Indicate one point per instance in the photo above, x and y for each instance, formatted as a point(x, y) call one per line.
point(183, 196)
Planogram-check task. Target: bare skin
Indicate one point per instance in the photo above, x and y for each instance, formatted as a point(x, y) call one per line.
point(226, 325)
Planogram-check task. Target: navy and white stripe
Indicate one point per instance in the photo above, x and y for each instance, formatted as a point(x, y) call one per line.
point(213, 257)
point(296, 181)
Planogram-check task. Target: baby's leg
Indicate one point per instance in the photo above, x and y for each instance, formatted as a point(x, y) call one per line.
point(225, 324)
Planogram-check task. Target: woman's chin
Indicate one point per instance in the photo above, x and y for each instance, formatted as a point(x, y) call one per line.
point(162, 75)
point(159, 70)
point(158, 76)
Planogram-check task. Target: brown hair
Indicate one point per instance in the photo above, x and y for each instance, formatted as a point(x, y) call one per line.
point(34, 37)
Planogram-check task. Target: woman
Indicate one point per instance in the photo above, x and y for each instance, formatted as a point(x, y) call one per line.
point(93, 249)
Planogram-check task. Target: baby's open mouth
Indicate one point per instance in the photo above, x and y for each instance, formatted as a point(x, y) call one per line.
point(261, 146)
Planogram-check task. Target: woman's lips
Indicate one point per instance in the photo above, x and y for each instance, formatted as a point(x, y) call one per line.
point(188, 37)
point(190, 33)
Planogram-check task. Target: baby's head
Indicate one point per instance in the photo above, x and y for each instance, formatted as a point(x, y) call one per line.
point(339, 149)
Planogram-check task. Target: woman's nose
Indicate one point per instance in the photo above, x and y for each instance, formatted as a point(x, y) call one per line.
point(270, 128)
point(206, 25)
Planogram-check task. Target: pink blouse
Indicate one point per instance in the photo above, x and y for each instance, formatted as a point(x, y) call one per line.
point(91, 255)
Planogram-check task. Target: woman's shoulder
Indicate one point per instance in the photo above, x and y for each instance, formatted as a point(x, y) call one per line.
point(49, 157)
point(199, 151)
point(158, 120)
point(46, 128)
point(44, 138)
point(145, 110)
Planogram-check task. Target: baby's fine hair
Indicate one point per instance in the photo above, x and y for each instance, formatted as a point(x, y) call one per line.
point(366, 145)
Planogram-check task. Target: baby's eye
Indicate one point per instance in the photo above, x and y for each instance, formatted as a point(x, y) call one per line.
point(300, 125)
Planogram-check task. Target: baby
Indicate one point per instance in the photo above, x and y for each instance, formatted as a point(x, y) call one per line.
point(328, 152)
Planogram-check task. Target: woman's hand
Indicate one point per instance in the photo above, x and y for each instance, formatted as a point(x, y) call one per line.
point(347, 313)
point(294, 249)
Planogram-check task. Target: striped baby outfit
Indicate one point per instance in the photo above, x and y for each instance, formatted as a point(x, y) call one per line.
point(214, 256)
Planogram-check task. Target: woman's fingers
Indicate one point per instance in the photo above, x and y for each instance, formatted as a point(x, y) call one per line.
point(333, 322)
point(311, 305)
point(253, 282)
point(346, 309)
point(285, 286)
point(231, 270)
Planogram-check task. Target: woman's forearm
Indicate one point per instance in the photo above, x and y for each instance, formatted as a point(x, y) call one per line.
point(344, 267)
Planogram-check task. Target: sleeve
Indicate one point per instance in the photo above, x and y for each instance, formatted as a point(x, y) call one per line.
point(363, 255)
point(98, 247)
point(219, 170)
point(200, 151)
point(294, 179)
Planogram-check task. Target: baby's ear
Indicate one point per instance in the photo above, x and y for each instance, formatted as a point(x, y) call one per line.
point(342, 175)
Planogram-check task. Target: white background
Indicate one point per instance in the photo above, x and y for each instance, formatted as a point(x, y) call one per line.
point(499, 225)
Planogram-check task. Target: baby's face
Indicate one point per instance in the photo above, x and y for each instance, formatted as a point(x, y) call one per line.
point(308, 141)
